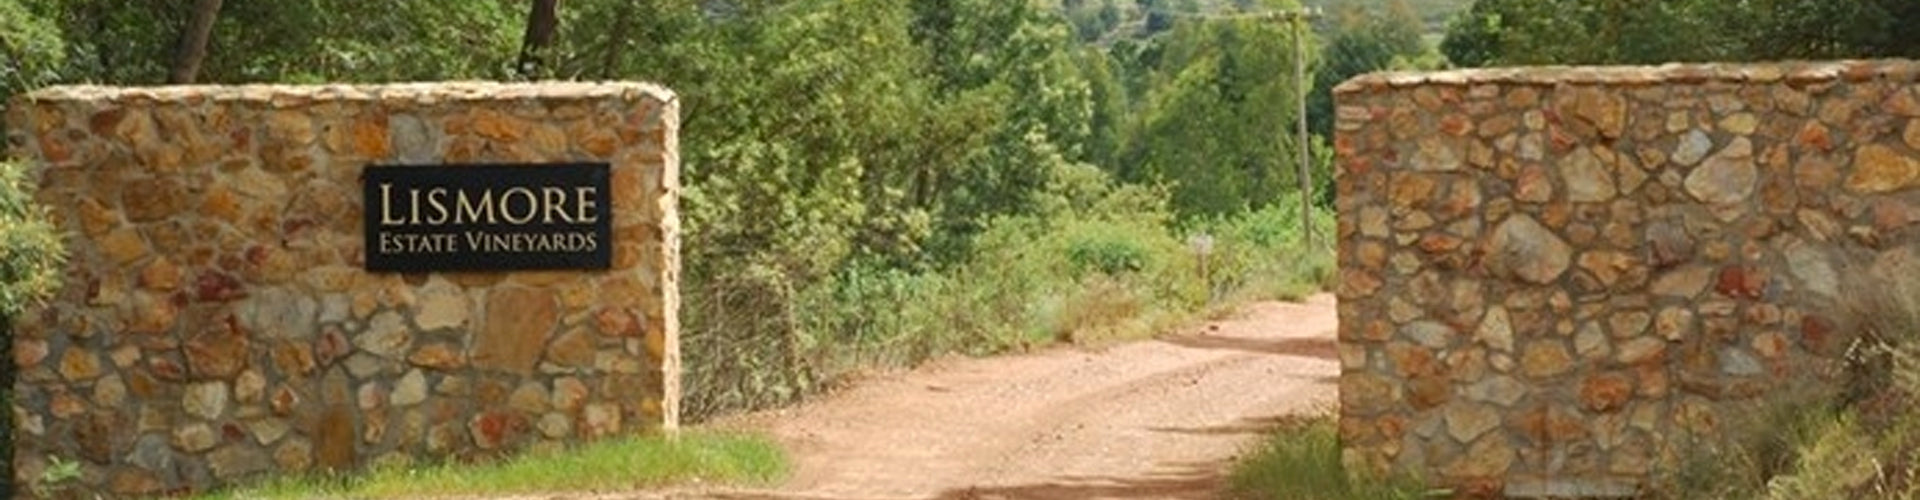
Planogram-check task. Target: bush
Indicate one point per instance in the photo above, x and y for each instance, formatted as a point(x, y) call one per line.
point(1103, 262)
point(1301, 461)
point(31, 255)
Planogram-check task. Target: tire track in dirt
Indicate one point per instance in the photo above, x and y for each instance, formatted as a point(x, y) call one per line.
point(1160, 419)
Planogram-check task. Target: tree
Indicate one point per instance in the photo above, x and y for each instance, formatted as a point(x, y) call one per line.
point(192, 48)
point(542, 21)
point(1218, 120)
point(1359, 41)
point(1513, 32)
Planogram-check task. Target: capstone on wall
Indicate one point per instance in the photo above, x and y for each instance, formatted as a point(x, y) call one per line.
point(217, 323)
point(1556, 280)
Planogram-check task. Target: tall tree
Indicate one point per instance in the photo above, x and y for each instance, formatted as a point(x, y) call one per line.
point(1217, 121)
point(542, 21)
point(1359, 40)
point(192, 48)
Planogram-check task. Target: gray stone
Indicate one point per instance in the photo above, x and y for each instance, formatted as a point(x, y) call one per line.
point(1739, 363)
point(1428, 333)
point(411, 139)
point(1693, 147)
point(267, 430)
point(151, 452)
point(1499, 389)
point(278, 313)
point(411, 390)
point(1591, 342)
point(1814, 270)
point(237, 460)
point(1526, 249)
point(1496, 330)
point(386, 336)
point(1588, 181)
point(206, 400)
point(1467, 421)
point(1727, 178)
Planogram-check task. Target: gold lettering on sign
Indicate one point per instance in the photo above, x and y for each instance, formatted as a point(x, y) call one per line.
point(506, 205)
point(584, 204)
point(386, 206)
point(520, 205)
point(437, 200)
point(474, 210)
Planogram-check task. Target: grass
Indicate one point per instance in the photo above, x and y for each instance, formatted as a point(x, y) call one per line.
point(1300, 460)
point(620, 464)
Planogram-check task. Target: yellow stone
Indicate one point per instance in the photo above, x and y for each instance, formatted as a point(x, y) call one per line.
point(1880, 169)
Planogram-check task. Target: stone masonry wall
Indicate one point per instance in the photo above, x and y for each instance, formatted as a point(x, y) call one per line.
point(217, 322)
point(1554, 279)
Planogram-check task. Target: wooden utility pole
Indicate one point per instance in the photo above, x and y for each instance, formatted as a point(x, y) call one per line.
point(1301, 87)
point(1297, 20)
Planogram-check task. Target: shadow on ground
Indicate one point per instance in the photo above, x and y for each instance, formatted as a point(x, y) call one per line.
point(1322, 348)
point(1194, 481)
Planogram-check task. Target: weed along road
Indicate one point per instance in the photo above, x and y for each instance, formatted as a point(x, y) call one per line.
point(1150, 419)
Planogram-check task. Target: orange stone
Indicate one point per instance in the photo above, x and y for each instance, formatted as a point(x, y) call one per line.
point(370, 137)
point(1606, 393)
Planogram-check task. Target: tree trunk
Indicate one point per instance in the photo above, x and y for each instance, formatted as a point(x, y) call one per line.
point(193, 42)
point(541, 24)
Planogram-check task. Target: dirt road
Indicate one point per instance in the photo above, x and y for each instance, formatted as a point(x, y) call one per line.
point(1159, 419)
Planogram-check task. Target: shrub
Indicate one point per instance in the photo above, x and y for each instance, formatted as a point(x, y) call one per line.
point(31, 253)
point(1300, 460)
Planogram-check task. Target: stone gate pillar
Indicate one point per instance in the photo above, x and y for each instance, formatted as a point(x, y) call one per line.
point(280, 279)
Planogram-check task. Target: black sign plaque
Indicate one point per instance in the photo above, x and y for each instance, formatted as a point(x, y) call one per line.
point(488, 217)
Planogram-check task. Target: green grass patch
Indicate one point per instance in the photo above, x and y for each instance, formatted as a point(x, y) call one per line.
point(612, 465)
point(1300, 460)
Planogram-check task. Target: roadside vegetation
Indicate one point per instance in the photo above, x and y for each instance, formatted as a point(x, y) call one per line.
point(624, 464)
point(1300, 460)
point(1858, 440)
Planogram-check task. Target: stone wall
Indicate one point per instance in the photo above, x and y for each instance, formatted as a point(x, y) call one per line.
point(1554, 279)
point(217, 322)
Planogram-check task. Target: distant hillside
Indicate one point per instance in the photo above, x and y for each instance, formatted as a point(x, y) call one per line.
point(1104, 21)
point(1434, 13)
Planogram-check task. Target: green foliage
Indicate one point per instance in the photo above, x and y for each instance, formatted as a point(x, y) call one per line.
point(31, 252)
point(1217, 116)
point(1518, 32)
point(1300, 460)
point(615, 464)
point(32, 47)
point(1360, 40)
point(866, 180)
